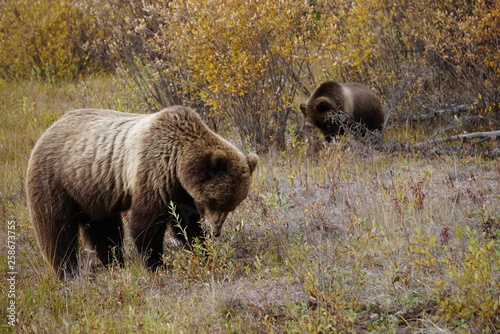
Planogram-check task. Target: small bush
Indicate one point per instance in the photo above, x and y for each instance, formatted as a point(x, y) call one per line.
point(47, 40)
point(467, 290)
point(471, 292)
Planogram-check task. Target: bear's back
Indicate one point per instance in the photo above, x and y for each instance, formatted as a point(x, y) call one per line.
point(363, 105)
point(92, 155)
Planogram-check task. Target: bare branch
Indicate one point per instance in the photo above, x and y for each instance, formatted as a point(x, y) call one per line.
point(433, 113)
point(463, 137)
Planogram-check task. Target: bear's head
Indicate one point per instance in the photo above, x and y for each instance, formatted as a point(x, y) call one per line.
point(218, 181)
point(324, 110)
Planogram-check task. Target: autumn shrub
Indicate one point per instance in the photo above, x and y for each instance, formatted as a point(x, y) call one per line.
point(466, 292)
point(474, 297)
point(246, 62)
point(47, 40)
point(249, 63)
point(366, 41)
point(414, 52)
point(239, 61)
point(460, 41)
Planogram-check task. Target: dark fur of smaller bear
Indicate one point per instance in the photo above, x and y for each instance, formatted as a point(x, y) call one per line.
point(334, 107)
point(92, 165)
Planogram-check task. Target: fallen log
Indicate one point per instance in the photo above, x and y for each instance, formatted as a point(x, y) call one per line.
point(431, 113)
point(463, 137)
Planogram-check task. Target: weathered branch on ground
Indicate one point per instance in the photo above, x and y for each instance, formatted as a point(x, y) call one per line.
point(464, 137)
point(489, 152)
point(435, 148)
point(431, 113)
point(431, 146)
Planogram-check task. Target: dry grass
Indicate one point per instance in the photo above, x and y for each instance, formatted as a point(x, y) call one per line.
point(344, 239)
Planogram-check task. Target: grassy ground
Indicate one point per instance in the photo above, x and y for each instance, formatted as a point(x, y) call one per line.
point(341, 239)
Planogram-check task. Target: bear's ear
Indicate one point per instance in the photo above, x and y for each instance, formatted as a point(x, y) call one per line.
point(218, 161)
point(252, 159)
point(323, 106)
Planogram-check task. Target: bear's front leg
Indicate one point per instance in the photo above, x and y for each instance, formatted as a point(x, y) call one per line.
point(148, 231)
point(188, 228)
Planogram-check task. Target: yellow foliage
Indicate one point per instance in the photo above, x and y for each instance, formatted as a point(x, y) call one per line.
point(44, 38)
point(240, 58)
point(468, 291)
point(249, 60)
point(477, 296)
point(463, 38)
point(229, 46)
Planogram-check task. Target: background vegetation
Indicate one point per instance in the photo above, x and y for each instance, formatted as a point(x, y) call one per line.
point(333, 238)
point(247, 62)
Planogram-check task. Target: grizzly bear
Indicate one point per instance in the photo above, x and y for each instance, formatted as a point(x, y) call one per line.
point(92, 165)
point(334, 107)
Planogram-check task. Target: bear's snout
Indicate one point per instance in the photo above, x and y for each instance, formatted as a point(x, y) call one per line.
point(214, 221)
point(303, 108)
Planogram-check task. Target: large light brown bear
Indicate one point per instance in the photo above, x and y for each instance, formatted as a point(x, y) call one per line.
point(334, 107)
point(92, 165)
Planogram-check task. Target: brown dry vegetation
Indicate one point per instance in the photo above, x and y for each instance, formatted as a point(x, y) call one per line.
point(343, 239)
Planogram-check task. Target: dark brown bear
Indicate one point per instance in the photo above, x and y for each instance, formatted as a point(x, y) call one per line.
point(335, 107)
point(91, 165)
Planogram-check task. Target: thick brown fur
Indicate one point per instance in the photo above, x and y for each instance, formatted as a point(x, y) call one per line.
point(334, 107)
point(92, 165)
